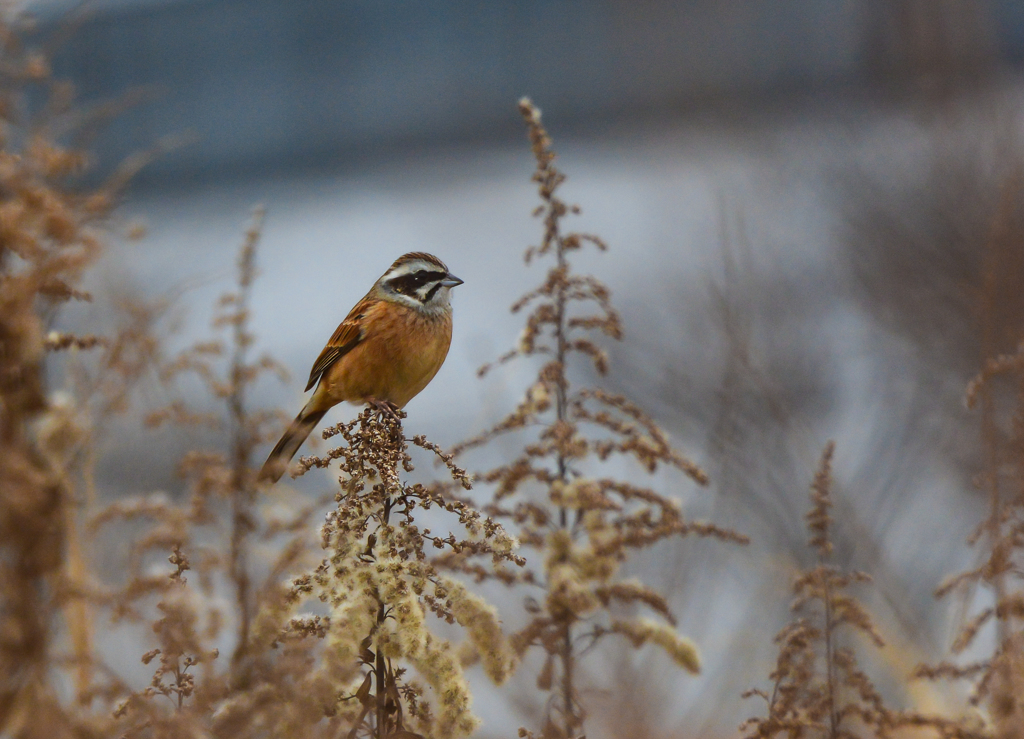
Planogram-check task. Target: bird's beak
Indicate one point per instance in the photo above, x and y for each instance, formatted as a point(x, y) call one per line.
point(451, 280)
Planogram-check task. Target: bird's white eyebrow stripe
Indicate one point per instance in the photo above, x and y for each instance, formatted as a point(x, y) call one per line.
point(410, 267)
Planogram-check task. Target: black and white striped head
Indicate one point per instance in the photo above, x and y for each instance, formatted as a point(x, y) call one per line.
point(419, 280)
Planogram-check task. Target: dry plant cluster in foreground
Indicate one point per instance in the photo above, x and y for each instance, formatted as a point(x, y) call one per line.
point(260, 626)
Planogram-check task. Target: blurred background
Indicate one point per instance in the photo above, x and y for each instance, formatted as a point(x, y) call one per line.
point(806, 202)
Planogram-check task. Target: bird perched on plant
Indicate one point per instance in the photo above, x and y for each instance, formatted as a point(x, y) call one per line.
point(387, 349)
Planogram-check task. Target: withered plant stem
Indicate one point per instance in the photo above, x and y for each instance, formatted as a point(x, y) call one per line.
point(830, 656)
point(380, 668)
point(381, 583)
point(581, 524)
point(241, 442)
point(50, 234)
point(552, 236)
point(1000, 234)
point(815, 676)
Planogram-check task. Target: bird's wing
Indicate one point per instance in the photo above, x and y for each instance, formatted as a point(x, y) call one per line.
point(348, 334)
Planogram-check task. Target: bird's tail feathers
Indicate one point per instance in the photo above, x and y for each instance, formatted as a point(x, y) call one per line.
point(289, 444)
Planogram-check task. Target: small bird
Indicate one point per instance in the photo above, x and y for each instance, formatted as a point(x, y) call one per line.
point(390, 345)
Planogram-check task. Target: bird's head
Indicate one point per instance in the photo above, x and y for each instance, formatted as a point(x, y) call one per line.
point(419, 280)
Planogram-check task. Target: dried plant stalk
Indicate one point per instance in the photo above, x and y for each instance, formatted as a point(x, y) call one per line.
point(51, 230)
point(818, 689)
point(378, 584)
point(998, 680)
point(582, 526)
point(212, 535)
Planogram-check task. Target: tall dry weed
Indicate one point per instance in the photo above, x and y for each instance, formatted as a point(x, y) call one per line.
point(997, 677)
point(577, 526)
point(380, 585)
point(50, 233)
point(941, 261)
point(818, 688)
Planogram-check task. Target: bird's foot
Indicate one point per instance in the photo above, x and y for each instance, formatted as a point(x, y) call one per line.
point(387, 408)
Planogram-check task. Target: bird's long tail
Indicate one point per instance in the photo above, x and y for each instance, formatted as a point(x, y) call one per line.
point(300, 428)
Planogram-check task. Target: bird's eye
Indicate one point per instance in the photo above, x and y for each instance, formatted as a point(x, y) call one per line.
point(410, 283)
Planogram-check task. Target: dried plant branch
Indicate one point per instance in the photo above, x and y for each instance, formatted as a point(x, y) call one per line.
point(51, 232)
point(582, 526)
point(379, 583)
point(998, 682)
point(818, 689)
